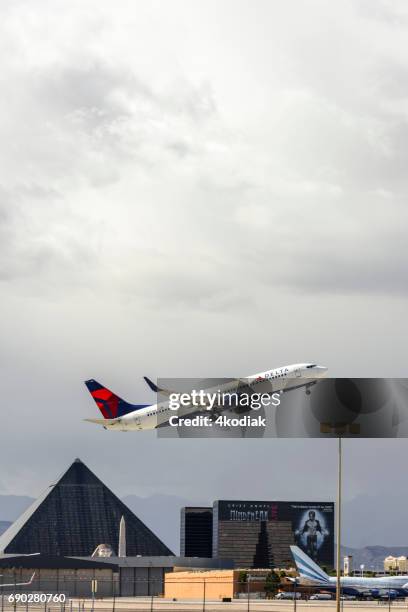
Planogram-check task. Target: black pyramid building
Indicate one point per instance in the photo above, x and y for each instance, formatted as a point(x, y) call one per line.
point(74, 516)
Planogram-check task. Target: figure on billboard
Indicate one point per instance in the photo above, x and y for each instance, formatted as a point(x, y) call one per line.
point(311, 528)
point(311, 535)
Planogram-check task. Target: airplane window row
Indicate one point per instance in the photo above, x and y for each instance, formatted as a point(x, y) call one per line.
point(153, 413)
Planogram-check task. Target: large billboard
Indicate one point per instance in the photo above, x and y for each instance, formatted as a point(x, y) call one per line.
point(312, 522)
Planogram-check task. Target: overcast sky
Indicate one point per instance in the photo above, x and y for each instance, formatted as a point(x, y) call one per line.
point(192, 189)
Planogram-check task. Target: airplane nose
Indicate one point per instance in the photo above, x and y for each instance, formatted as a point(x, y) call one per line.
point(322, 370)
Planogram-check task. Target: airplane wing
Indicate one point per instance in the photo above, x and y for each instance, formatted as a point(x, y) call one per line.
point(155, 388)
point(14, 584)
point(203, 384)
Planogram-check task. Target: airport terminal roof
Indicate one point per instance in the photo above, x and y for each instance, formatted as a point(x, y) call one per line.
point(170, 561)
point(51, 562)
point(114, 563)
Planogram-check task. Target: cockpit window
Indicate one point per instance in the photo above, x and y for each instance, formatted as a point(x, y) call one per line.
point(312, 365)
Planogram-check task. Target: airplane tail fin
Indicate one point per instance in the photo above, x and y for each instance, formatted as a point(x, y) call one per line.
point(307, 568)
point(110, 404)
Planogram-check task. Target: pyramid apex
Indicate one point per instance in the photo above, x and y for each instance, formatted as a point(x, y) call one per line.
point(77, 460)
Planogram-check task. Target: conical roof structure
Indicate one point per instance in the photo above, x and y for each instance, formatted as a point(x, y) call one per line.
point(74, 516)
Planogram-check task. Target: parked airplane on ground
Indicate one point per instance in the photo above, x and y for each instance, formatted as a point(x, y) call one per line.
point(310, 573)
point(120, 415)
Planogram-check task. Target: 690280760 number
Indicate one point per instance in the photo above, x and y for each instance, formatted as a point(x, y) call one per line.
point(37, 598)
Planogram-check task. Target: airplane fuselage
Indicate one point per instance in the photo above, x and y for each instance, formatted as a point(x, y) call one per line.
point(276, 380)
point(358, 584)
point(312, 574)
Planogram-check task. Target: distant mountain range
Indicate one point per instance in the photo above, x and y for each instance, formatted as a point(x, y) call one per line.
point(372, 557)
point(161, 513)
point(4, 525)
point(11, 506)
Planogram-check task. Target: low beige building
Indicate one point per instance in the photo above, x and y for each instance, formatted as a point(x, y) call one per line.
point(215, 584)
point(403, 564)
point(396, 564)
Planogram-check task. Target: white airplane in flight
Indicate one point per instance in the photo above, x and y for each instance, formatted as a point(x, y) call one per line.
point(311, 574)
point(120, 415)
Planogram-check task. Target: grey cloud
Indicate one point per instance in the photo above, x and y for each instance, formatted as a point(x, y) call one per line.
point(35, 246)
point(340, 273)
point(197, 189)
point(163, 281)
point(70, 88)
point(182, 149)
point(78, 123)
point(390, 13)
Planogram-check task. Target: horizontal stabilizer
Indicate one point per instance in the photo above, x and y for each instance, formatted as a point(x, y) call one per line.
point(103, 422)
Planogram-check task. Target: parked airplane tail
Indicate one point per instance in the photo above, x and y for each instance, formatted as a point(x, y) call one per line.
point(307, 568)
point(111, 405)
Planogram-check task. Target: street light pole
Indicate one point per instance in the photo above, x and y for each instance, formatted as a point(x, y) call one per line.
point(294, 594)
point(204, 595)
point(338, 527)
